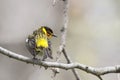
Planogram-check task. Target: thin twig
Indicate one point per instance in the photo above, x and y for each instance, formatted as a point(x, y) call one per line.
point(63, 37)
point(69, 61)
point(63, 34)
point(100, 77)
point(64, 28)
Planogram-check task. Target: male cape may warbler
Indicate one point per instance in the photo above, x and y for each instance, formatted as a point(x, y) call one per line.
point(39, 42)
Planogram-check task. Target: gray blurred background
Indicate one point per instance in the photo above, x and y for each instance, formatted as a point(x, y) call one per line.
point(92, 39)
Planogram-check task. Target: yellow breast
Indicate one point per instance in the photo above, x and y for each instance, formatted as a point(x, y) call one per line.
point(41, 42)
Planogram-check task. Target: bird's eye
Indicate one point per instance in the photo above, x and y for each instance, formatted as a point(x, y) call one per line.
point(49, 35)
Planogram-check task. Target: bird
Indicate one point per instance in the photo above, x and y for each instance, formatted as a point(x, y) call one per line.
point(38, 43)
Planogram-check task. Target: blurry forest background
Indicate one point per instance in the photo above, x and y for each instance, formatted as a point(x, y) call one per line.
point(93, 36)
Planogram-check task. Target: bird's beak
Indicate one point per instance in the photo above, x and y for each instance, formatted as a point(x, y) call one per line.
point(54, 35)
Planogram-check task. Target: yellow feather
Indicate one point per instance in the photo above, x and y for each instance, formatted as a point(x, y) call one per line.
point(44, 30)
point(41, 41)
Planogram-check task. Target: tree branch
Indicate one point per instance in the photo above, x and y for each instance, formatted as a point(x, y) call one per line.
point(63, 38)
point(88, 69)
point(63, 29)
point(69, 61)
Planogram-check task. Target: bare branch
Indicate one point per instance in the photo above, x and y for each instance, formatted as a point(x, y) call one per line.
point(100, 77)
point(69, 61)
point(63, 38)
point(88, 69)
point(63, 32)
point(63, 29)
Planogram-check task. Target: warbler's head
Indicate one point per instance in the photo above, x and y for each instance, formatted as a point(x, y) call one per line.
point(47, 31)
